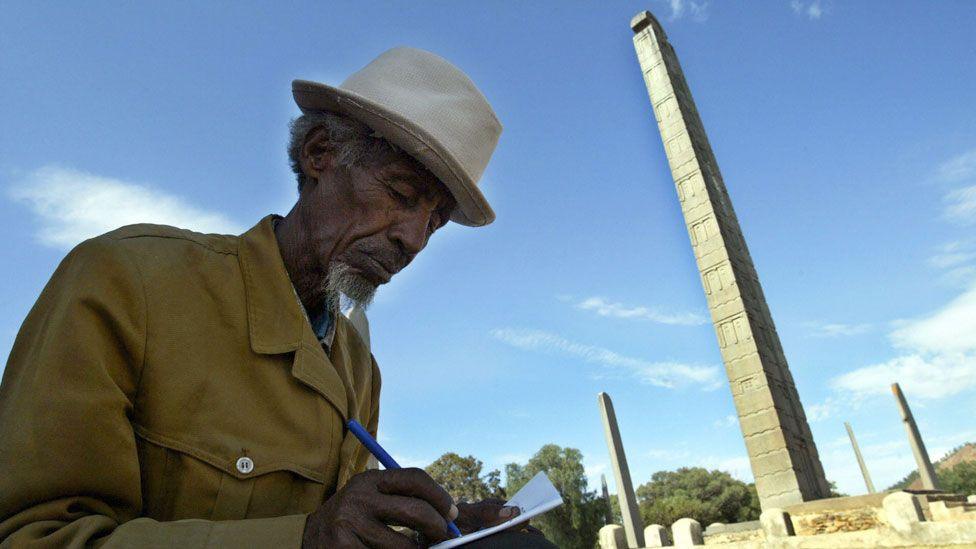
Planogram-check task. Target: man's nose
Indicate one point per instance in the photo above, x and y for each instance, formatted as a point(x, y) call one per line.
point(410, 233)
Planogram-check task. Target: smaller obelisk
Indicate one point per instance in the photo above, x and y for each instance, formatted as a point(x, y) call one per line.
point(860, 459)
point(608, 511)
point(925, 470)
point(625, 490)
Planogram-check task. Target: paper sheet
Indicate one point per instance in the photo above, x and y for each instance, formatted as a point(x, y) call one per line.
point(535, 498)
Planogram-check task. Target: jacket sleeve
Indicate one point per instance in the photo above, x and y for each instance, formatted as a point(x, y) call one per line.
point(70, 468)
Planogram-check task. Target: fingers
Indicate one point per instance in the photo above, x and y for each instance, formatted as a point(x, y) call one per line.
point(487, 513)
point(417, 483)
point(494, 501)
point(412, 512)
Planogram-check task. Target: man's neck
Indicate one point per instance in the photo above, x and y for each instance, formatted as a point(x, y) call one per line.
point(305, 274)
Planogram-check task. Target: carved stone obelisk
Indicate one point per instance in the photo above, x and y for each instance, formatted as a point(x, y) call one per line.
point(860, 459)
point(781, 450)
point(618, 460)
point(925, 470)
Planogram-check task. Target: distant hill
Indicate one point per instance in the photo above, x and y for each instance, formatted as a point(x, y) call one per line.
point(966, 452)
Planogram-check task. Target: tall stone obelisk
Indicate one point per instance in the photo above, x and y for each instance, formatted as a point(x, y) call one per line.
point(621, 472)
point(860, 459)
point(930, 481)
point(781, 450)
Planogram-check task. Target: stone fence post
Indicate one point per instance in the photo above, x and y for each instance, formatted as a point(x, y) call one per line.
point(687, 532)
point(656, 535)
point(612, 536)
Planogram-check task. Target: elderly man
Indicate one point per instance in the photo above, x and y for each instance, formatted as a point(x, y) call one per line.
point(183, 389)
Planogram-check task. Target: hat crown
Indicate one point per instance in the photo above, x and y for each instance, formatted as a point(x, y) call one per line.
point(429, 89)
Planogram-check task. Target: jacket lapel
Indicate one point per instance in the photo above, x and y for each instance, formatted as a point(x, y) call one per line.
point(276, 323)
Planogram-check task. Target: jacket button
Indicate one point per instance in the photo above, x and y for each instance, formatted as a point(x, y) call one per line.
point(245, 465)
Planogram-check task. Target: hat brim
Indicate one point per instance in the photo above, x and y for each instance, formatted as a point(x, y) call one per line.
point(472, 208)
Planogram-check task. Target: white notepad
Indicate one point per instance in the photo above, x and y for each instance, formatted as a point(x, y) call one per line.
point(535, 498)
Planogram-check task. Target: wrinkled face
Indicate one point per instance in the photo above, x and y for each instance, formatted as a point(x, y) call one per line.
point(368, 223)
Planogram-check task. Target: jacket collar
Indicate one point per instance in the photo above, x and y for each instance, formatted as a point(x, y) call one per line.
point(276, 322)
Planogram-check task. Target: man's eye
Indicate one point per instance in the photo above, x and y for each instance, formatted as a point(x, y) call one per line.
point(397, 195)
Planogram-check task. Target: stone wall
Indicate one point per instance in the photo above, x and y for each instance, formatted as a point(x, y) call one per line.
point(877, 520)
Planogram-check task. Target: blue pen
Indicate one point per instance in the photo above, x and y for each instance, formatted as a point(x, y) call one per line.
point(386, 459)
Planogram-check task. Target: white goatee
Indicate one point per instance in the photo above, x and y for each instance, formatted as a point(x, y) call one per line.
point(341, 280)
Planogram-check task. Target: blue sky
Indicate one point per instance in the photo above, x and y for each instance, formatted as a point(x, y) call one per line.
point(846, 133)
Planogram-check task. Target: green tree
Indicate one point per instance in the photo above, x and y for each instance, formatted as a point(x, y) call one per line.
point(462, 478)
point(576, 523)
point(959, 479)
point(706, 496)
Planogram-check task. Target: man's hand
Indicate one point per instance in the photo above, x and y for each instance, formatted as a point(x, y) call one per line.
point(359, 514)
point(483, 514)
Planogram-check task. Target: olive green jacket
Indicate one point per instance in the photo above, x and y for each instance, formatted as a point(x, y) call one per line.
point(167, 390)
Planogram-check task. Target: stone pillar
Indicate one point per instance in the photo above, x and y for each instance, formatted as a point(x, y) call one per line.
point(612, 537)
point(618, 460)
point(656, 535)
point(860, 459)
point(776, 523)
point(687, 532)
point(902, 511)
point(782, 453)
point(925, 470)
point(608, 508)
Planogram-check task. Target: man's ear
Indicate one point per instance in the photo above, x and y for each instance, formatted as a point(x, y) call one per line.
point(317, 154)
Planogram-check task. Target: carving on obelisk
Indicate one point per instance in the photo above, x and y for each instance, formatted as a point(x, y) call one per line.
point(860, 459)
point(781, 450)
point(925, 470)
point(618, 460)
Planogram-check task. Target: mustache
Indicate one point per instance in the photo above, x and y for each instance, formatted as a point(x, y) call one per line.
point(393, 260)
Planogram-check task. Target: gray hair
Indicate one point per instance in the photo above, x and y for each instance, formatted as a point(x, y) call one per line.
point(353, 142)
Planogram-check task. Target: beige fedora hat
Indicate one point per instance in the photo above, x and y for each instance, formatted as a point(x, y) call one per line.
point(427, 107)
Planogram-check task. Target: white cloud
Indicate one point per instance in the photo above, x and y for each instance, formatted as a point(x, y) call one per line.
point(73, 206)
point(961, 205)
point(814, 10)
point(953, 254)
point(921, 376)
point(661, 374)
point(940, 358)
point(836, 329)
point(958, 168)
point(607, 308)
point(730, 420)
point(951, 329)
point(960, 275)
point(696, 9)
point(820, 411)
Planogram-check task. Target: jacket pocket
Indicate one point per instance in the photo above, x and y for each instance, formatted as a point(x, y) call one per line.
point(180, 480)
